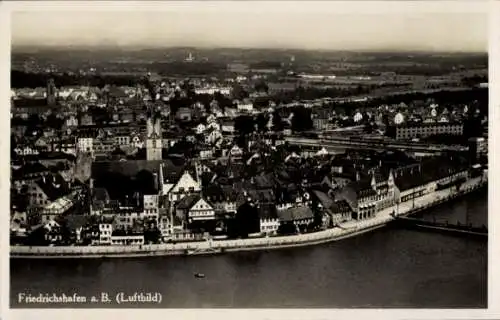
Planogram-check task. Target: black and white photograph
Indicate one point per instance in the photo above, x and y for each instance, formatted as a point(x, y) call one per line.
point(249, 155)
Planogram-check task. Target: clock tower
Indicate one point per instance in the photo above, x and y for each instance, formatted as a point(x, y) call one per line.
point(154, 136)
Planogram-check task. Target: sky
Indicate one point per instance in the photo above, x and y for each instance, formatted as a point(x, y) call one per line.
point(331, 25)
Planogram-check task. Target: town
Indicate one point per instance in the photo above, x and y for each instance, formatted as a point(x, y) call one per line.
point(264, 149)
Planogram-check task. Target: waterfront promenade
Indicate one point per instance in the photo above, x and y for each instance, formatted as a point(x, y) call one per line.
point(345, 230)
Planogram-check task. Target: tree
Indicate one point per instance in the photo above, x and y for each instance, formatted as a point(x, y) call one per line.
point(261, 86)
point(244, 125)
point(301, 120)
point(370, 127)
point(246, 220)
point(239, 92)
point(261, 122)
point(277, 122)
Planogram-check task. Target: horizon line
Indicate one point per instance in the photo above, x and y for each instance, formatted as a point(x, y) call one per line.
point(136, 47)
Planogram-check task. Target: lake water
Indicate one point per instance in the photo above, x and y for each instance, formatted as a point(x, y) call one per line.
point(386, 268)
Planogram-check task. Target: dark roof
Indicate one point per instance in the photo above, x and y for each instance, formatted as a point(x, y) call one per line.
point(429, 170)
point(323, 198)
point(206, 178)
point(29, 168)
point(117, 92)
point(355, 190)
point(26, 103)
point(171, 173)
point(56, 155)
point(295, 213)
point(53, 186)
point(267, 211)
point(187, 202)
point(100, 194)
point(230, 193)
point(75, 221)
point(127, 168)
point(262, 196)
point(214, 193)
point(265, 181)
point(422, 124)
point(340, 206)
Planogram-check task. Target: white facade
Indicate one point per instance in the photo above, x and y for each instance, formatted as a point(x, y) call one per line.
point(236, 151)
point(151, 205)
point(246, 107)
point(72, 122)
point(154, 149)
point(213, 90)
point(186, 184)
point(127, 240)
point(213, 137)
point(229, 128)
point(165, 225)
point(126, 219)
point(105, 230)
point(122, 140)
point(200, 128)
point(25, 151)
point(56, 208)
point(269, 226)
point(85, 144)
point(136, 142)
point(201, 210)
point(206, 154)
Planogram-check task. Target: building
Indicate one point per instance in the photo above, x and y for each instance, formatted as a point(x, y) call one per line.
point(478, 146)
point(56, 208)
point(245, 106)
point(212, 90)
point(422, 130)
point(151, 205)
point(337, 211)
point(269, 220)
point(300, 217)
point(362, 197)
point(46, 190)
point(85, 144)
point(154, 144)
point(184, 114)
point(105, 231)
point(127, 240)
point(194, 208)
point(176, 190)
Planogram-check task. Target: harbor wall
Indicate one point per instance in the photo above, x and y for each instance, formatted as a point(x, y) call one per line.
point(221, 246)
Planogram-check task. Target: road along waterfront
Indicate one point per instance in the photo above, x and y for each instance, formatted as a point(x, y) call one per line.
point(345, 230)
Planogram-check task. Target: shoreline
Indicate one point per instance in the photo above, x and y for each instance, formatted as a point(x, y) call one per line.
point(347, 230)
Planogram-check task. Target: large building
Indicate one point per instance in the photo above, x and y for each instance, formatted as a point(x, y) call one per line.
point(422, 130)
point(478, 146)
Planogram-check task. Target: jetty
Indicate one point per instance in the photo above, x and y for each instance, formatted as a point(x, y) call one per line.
point(456, 229)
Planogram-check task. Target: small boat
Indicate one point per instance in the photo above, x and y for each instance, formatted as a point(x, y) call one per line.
point(199, 275)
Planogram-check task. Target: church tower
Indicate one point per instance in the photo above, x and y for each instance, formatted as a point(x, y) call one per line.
point(51, 93)
point(154, 135)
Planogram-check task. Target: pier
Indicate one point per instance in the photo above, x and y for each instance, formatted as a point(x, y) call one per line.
point(407, 220)
point(456, 229)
